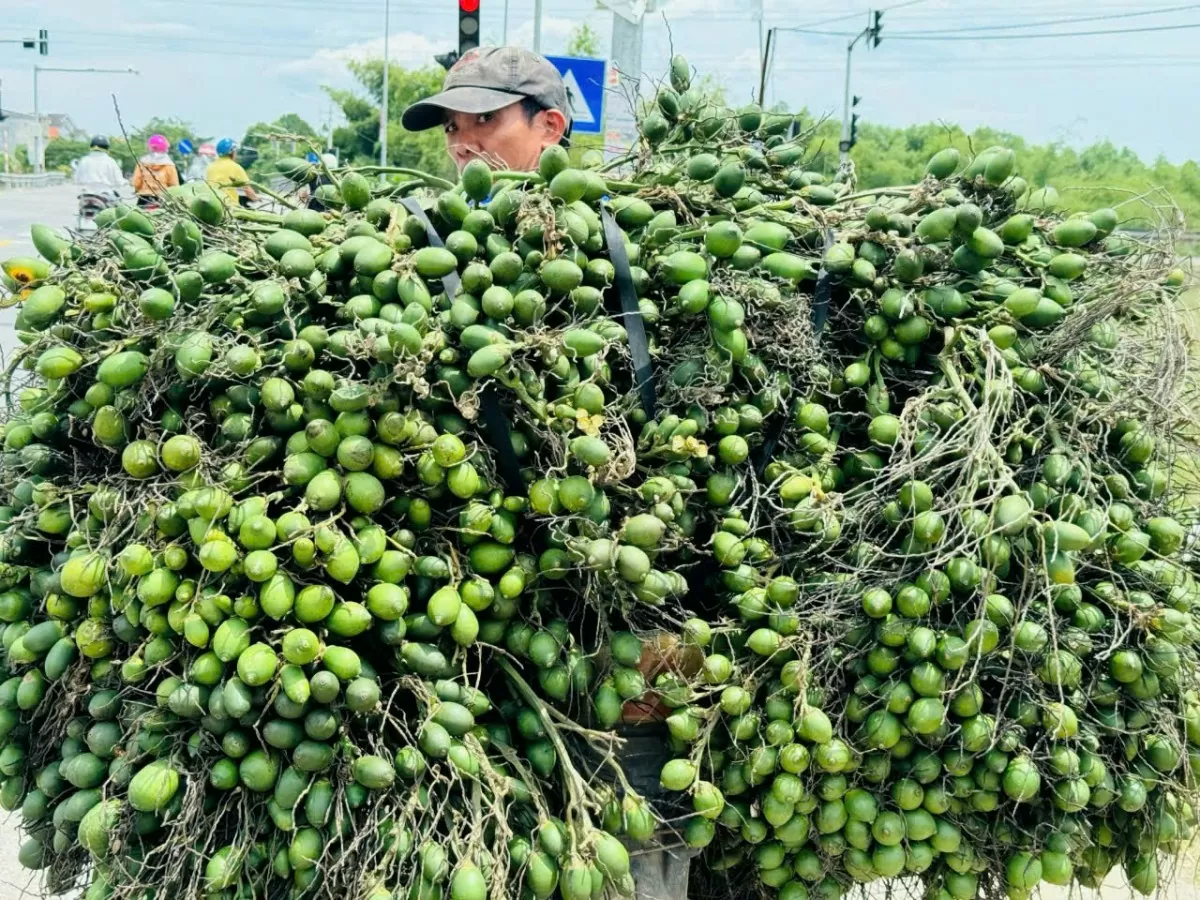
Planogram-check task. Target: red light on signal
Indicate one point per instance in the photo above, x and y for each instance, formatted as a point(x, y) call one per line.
point(469, 6)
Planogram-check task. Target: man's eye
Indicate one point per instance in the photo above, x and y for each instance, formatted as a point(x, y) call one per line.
point(451, 128)
point(483, 118)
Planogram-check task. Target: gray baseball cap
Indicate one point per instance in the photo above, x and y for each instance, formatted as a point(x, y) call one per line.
point(491, 78)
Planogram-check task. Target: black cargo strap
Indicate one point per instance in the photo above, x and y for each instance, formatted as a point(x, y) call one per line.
point(449, 282)
point(820, 314)
point(495, 422)
point(820, 308)
point(631, 313)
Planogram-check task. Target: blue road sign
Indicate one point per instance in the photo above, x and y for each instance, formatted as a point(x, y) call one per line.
point(184, 146)
point(584, 78)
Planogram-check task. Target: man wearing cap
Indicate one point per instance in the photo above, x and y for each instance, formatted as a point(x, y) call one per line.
point(504, 105)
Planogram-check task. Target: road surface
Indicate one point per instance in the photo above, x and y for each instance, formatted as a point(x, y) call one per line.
point(20, 208)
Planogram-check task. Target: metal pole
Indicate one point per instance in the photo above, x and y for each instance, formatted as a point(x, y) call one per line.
point(37, 115)
point(504, 39)
point(383, 107)
point(845, 144)
point(37, 127)
point(537, 26)
point(620, 119)
point(765, 73)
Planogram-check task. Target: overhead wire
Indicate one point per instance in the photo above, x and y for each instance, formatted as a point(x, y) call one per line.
point(1042, 35)
point(1068, 21)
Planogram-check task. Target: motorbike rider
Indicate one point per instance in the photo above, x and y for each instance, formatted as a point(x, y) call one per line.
point(155, 171)
point(227, 174)
point(309, 194)
point(205, 154)
point(98, 173)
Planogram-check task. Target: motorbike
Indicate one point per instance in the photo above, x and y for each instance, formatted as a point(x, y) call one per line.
point(91, 203)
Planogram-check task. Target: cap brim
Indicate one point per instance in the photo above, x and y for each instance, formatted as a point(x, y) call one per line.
point(431, 112)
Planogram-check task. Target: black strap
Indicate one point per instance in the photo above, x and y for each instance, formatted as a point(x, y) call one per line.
point(820, 314)
point(495, 422)
point(449, 282)
point(820, 308)
point(631, 313)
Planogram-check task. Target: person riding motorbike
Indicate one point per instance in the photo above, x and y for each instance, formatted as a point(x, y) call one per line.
point(98, 173)
point(155, 172)
point(309, 193)
point(226, 174)
point(101, 182)
point(205, 154)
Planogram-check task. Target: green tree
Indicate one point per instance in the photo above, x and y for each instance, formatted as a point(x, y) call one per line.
point(265, 142)
point(173, 129)
point(1102, 174)
point(60, 152)
point(358, 139)
point(583, 41)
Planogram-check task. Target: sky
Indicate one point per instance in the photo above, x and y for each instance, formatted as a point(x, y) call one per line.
point(224, 64)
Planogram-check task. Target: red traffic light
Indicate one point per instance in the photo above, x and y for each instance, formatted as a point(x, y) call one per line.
point(468, 6)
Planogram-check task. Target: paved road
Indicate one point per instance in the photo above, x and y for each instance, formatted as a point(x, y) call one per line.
point(20, 208)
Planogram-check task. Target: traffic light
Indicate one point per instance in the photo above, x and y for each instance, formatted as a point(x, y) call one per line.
point(876, 28)
point(468, 25)
point(852, 138)
point(43, 42)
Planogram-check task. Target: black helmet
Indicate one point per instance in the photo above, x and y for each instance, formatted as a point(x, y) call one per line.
point(100, 141)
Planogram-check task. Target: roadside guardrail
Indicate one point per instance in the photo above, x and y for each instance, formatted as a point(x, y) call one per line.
point(45, 179)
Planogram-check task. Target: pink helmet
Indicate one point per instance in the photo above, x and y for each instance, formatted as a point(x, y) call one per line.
point(207, 150)
point(158, 144)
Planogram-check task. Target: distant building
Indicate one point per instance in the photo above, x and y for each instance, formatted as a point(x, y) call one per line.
point(17, 128)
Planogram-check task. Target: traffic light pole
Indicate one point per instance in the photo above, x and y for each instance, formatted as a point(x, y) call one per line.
point(844, 145)
point(383, 106)
point(848, 102)
point(38, 165)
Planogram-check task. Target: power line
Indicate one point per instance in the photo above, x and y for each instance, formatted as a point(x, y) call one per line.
point(1052, 34)
point(1014, 37)
point(995, 67)
point(854, 15)
point(829, 63)
point(847, 16)
point(1044, 23)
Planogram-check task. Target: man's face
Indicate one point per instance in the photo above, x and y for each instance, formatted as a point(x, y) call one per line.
point(505, 139)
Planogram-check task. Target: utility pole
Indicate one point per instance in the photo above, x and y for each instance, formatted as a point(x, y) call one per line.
point(537, 26)
point(758, 14)
point(849, 118)
point(504, 32)
point(383, 107)
point(765, 65)
point(625, 71)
